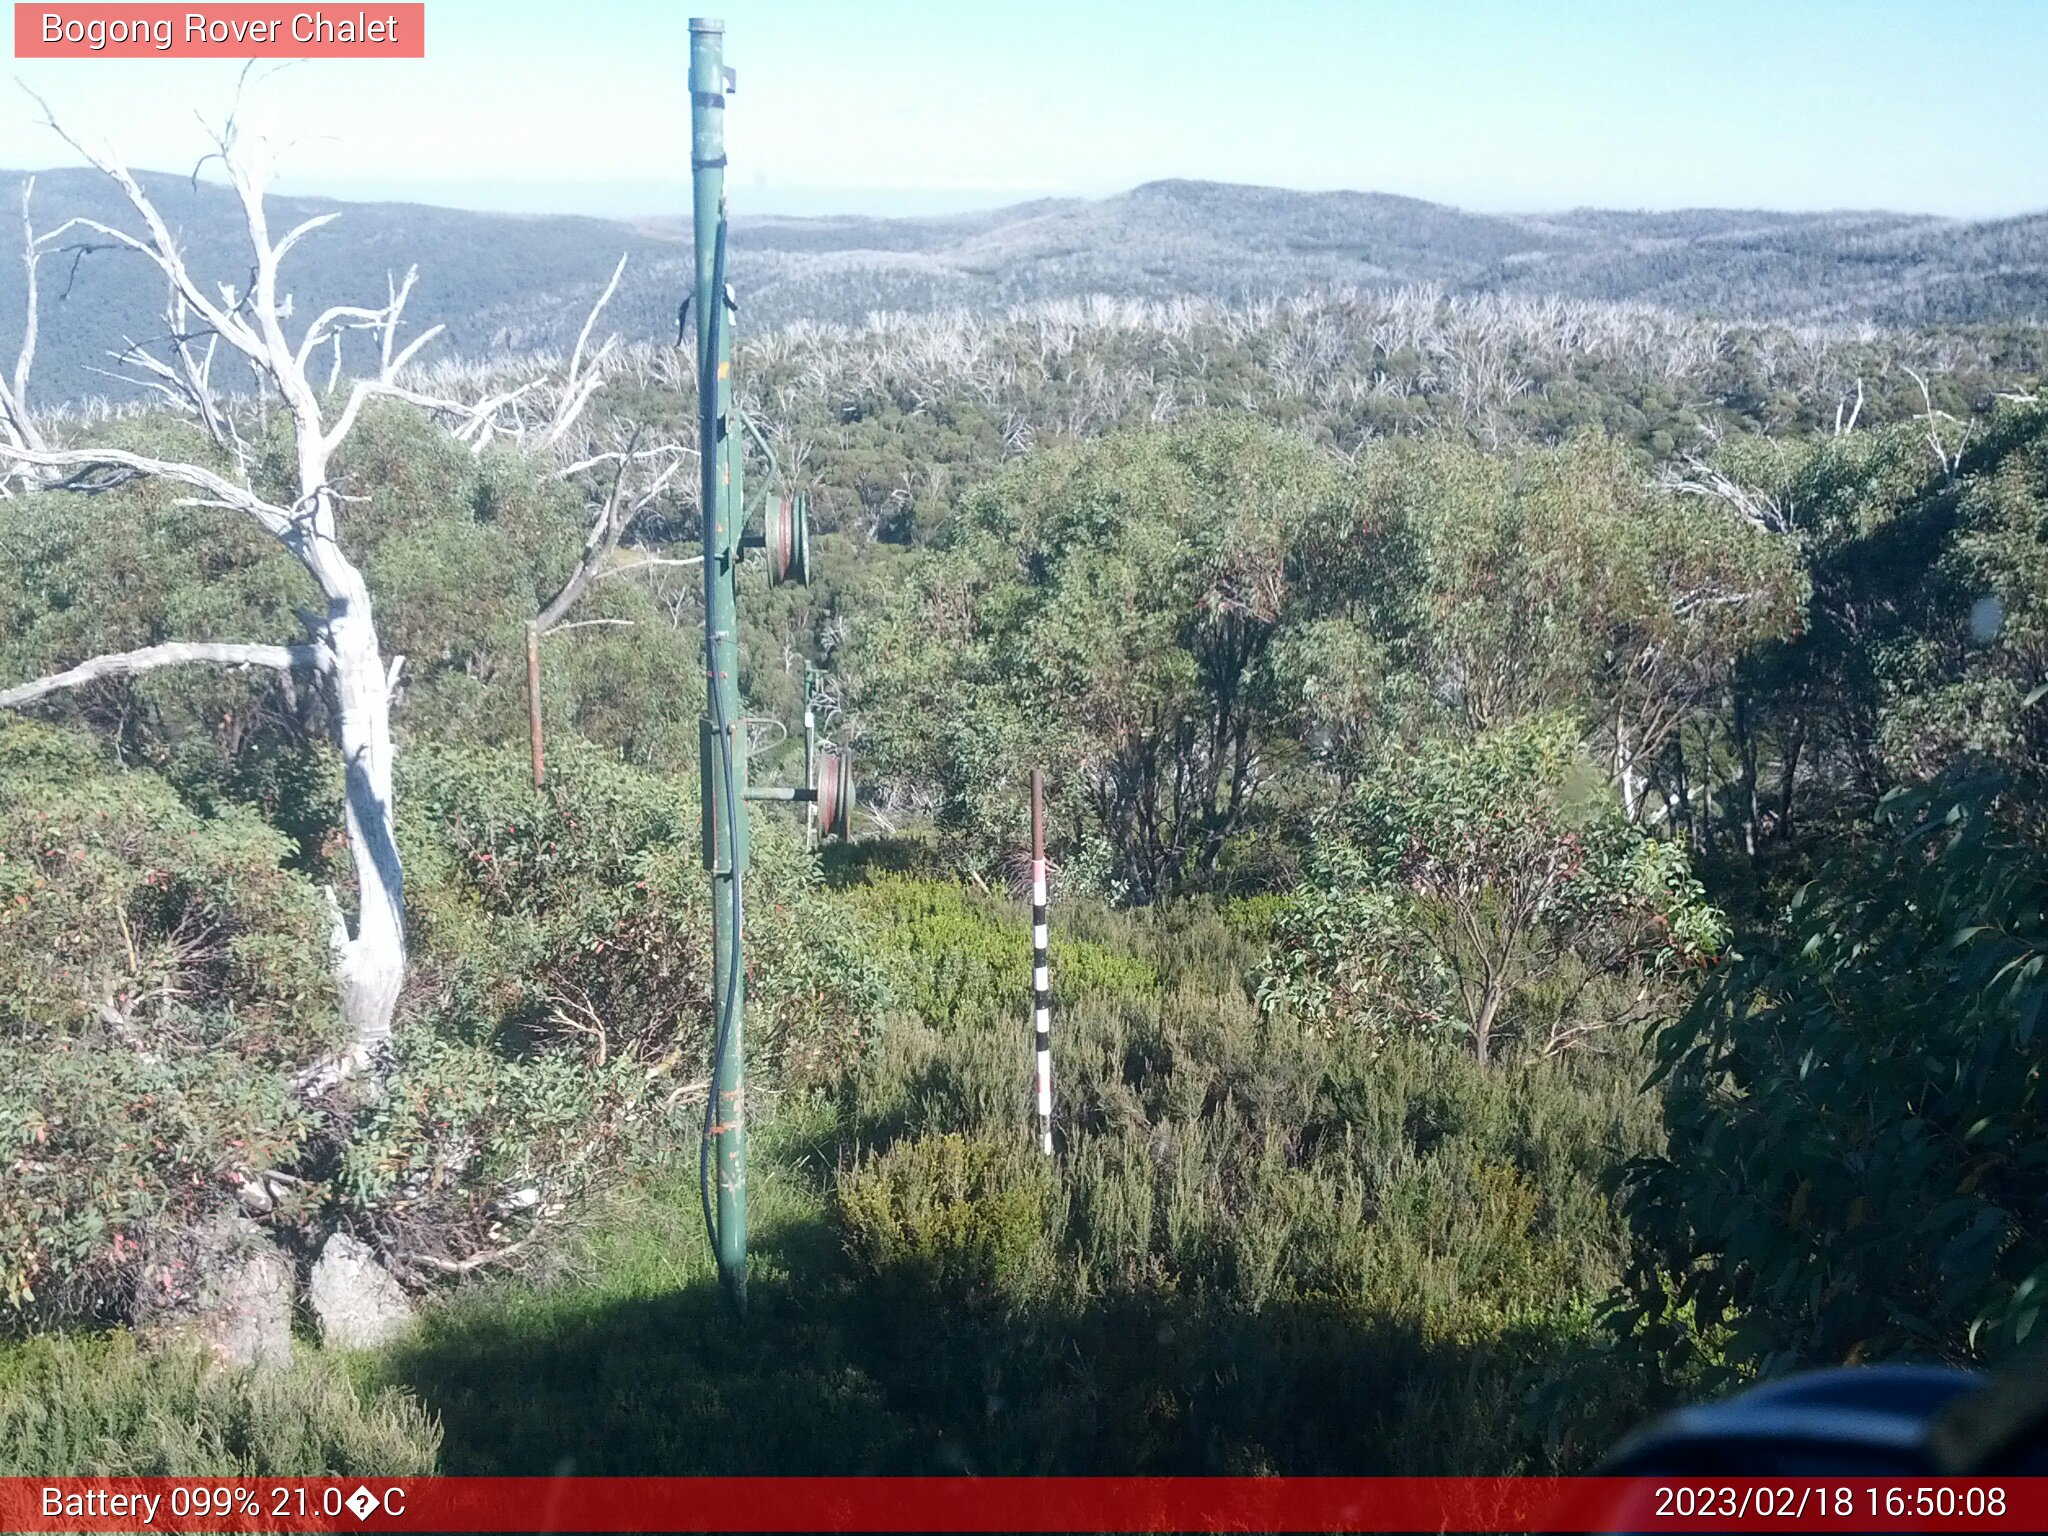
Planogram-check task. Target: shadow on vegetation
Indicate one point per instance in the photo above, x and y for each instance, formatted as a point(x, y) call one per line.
point(830, 1375)
point(1257, 1253)
point(849, 865)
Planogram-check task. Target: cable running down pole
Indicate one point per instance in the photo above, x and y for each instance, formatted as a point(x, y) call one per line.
point(722, 1161)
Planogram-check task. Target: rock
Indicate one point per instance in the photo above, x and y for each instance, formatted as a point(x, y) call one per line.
point(223, 1283)
point(358, 1302)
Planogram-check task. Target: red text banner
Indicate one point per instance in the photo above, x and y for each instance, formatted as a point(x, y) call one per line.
point(239, 31)
point(970, 1504)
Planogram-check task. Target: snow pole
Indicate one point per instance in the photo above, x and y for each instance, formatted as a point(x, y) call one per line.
point(1041, 965)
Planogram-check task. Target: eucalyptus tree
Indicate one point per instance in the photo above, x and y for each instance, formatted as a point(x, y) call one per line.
point(1563, 579)
point(1109, 610)
point(1485, 883)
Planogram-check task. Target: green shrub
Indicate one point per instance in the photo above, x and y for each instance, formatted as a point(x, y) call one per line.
point(1112, 601)
point(161, 973)
point(579, 916)
point(559, 1016)
point(920, 1080)
point(1461, 891)
point(103, 1148)
point(955, 956)
point(959, 1214)
point(84, 575)
point(121, 910)
point(467, 1149)
point(1264, 1248)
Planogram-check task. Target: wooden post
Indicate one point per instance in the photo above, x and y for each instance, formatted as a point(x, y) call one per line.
point(1041, 970)
point(533, 699)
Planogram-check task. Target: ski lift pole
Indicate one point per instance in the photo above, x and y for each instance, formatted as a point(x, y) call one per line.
point(723, 1165)
point(1041, 965)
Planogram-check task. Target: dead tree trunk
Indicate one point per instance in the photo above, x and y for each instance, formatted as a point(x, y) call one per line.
point(342, 640)
point(1788, 779)
point(372, 961)
point(1746, 757)
point(1482, 1022)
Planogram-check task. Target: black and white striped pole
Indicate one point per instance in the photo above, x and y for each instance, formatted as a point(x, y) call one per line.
point(1041, 968)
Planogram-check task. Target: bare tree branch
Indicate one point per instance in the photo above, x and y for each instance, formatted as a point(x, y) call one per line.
point(1950, 459)
point(176, 653)
point(220, 492)
point(15, 419)
point(1700, 478)
point(642, 564)
point(469, 1265)
point(578, 386)
point(1845, 425)
point(615, 515)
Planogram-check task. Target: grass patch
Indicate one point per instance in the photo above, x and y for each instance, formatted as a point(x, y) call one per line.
point(101, 1406)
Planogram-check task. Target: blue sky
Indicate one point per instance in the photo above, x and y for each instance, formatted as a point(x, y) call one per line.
point(905, 105)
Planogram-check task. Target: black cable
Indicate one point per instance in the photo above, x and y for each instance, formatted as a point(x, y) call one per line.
point(707, 384)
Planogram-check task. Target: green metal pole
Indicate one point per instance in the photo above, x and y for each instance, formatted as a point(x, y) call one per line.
point(724, 746)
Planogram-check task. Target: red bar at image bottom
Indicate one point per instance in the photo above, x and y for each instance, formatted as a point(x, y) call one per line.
point(1023, 1504)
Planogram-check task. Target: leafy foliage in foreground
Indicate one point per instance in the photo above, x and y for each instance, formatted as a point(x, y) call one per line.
point(1247, 1223)
point(1857, 1113)
point(1258, 1250)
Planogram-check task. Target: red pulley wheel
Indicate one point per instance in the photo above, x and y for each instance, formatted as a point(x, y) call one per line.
point(787, 540)
point(835, 794)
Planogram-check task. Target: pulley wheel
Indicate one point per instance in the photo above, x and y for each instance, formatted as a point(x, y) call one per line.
point(787, 540)
point(835, 794)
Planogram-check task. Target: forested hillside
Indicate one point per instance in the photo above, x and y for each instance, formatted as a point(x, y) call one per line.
point(1175, 238)
point(1547, 808)
point(506, 284)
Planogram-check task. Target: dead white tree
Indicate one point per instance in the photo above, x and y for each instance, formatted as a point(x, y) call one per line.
point(15, 422)
point(341, 646)
point(1950, 459)
point(1695, 475)
point(1846, 413)
point(613, 516)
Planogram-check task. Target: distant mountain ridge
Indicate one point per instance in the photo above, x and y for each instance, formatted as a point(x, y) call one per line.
point(510, 283)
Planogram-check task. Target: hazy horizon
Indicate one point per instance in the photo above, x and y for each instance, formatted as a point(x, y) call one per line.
point(631, 200)
point(903, 106)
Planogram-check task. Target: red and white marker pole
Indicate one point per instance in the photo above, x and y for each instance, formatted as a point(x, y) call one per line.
point(1041, 969)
